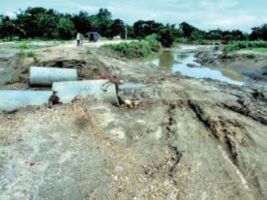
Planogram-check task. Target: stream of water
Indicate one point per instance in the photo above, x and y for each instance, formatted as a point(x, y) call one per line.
point(182, 61)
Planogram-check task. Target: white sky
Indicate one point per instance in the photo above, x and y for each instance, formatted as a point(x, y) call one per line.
point(205, 14)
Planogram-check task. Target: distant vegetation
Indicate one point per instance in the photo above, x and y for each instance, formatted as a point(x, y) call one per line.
point(41, 23)
point(238, 45)
point(136, 49)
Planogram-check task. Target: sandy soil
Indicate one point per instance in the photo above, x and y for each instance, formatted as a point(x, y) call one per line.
point(189, 139)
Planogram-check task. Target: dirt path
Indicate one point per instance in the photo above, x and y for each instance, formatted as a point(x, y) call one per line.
point(191, 139)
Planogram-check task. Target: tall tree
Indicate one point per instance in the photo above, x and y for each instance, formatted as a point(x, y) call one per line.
point(166, 37)
point(145, 28)
point(259, 33)
point(66, 28)
point(9, 29)
point(82, 22)
point(117, 28)
point(38, 22)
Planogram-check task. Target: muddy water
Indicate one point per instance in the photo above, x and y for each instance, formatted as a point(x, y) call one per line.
point(182, 61)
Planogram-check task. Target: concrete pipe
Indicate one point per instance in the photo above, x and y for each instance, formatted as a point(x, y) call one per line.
point(102, 90)
point(14, 99)
point(45, 76)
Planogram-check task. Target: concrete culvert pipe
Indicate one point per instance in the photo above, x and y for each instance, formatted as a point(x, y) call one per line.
point(46, 76)
point(13, 99)
point(102, 90)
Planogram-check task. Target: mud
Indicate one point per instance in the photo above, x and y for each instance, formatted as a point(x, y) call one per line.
point(191, 139)
point(249, 65)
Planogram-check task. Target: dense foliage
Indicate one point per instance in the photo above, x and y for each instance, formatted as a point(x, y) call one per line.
point(238, 45)
point(136, 49)
point(44, 23)
point(259, 33)
point(38, 22)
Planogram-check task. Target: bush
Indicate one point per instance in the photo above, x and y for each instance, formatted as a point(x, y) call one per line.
point(153, 42)
point(30, 54)
point(23, 46)
point(238, 45)
point(136, 49)
point(166, 38)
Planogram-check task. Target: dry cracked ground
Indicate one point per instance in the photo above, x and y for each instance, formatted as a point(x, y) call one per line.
point(189, 140)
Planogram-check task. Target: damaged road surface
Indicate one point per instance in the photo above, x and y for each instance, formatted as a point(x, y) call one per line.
point(193, 139)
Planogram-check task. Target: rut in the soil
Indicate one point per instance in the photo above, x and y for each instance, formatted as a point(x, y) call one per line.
point(220, 129)
point(247, 110)
point(232, 138)
point(171, 134)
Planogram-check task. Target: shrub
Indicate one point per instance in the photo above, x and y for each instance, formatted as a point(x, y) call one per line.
point(136, 49)
point(23, 46)
point(166, 38)
point(238, 45)
point(153, 42)
point(30, 54)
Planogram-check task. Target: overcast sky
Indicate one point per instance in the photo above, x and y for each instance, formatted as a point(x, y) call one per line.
point(206, 14)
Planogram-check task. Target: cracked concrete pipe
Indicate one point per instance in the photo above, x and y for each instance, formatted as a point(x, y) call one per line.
point(45, 76)
point(13, 99)
point(102, 90)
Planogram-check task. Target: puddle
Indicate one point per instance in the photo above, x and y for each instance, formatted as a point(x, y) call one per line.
point(182, 61)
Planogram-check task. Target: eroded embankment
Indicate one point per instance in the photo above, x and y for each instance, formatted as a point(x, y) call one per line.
point(247, 64)
point(189, 140)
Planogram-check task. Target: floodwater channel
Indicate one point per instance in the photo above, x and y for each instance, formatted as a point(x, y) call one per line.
point(182, 61)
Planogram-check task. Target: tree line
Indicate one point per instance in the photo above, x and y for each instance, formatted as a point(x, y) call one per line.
point(38, 22)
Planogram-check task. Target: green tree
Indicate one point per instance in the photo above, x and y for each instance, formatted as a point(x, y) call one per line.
point(65, 28)
point(82, 22)
point(38, 22)
point(104, 14)
point(101, 22)
point(47, 26)
point(117, 28)
point(259, 33)
point(145, 28)
point(166, 37)
point(186, 29)
point(191, 32)
point(214, 35)
point(9, 29)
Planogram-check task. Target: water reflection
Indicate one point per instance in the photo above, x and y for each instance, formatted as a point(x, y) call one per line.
point(166, 60)
point(183, 61)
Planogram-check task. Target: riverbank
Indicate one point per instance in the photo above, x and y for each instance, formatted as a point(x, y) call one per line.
point(188, 139)
point(247, 63)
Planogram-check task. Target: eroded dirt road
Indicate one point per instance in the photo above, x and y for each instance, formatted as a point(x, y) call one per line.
point(190, 139)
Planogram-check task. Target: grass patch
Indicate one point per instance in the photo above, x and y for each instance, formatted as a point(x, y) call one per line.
point(136, 49)
point(258, 46)
point(259, 50)
point(23, 46)
point(29, 54)
point(32, 44)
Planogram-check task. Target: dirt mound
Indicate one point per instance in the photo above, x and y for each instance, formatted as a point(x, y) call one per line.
point(87, 69)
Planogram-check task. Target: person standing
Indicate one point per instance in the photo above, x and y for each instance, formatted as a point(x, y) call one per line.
point(79, 38)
